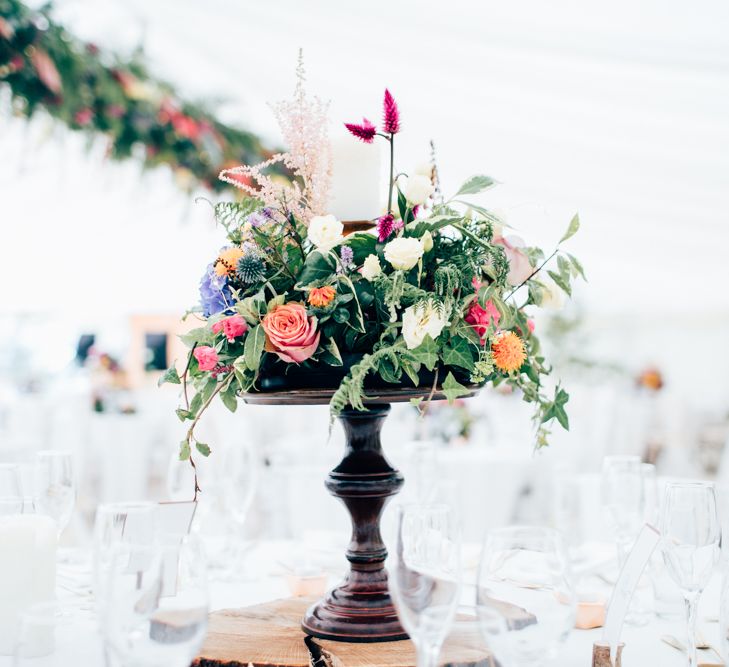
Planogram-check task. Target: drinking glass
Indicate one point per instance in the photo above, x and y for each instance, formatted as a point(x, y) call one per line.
point(425, 579)
point(157, 603)
point(54, 491)
point(48, 638)
point(524, 577)
point(238, 482)
point(115, 524)
point(494, 631)
point(691, 537)
point(622, 490)
point(11, 490)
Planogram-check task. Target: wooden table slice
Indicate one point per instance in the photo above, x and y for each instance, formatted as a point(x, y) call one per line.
point(270, 635)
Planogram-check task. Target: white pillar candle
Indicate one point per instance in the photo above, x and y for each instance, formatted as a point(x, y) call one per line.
point(356, 184)
point(28, 545)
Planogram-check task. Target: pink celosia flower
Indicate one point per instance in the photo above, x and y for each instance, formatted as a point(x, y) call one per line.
point(366, 131)
point(207, 357)
point(481, 318)
point(385, 227)
point(391, 115)
point(232, 327)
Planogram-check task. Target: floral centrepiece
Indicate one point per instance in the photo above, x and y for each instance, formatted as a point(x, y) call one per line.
point(434, 296)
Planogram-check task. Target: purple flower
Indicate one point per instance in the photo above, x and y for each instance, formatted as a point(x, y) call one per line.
point(260, 218)
point(215, 295)
point(390, 113)
point(346, 254)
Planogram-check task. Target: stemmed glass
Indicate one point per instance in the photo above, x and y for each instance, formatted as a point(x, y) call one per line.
point(691, 537)
point(524, 577)
point(623, 500)
point(425, 579)
point(157, 603)
point(54, 493)
point(237, 490)
point(11, 490)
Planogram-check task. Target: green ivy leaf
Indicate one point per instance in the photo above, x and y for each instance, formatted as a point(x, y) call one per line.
point(453, 389)
point(475, 184)
point(184, 450)
point(486, 214)
point(196, 404)
point(183, 414)
point(572, 228)
point(412, 369)
point(203, 448)
point(458, 352)
point(426, 353)
point(253, 347)
point(331, 354)
point(170, 375)
point(199, 336)
point(578, 270)
point(561, 282)
point(362, 244)
point(229, 398)
point(318, 266)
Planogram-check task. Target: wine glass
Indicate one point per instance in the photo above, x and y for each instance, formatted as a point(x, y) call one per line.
point(115, 524)
point(524, 576)
point(11, 490)
point(425, 580)
point(157, 603)
point(622, 488)
point(237, 487)
point(54, 492)
point(494, 630)
point(691, 537)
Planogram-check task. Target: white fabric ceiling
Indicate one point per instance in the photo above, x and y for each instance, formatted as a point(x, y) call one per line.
point(619, 110)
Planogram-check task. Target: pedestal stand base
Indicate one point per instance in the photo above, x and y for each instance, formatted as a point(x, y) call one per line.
point(270, 635)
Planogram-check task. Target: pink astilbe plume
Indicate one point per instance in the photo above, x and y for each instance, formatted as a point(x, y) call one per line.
point(303, 124)
point(390, 113)
point(366, 131)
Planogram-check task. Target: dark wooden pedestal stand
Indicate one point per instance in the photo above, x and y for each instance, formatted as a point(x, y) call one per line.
point(360, 608)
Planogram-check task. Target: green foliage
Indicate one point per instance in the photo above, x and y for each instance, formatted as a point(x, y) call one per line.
point(453, 389)
point(170, 375)
point(46, 67)
point(474, 185)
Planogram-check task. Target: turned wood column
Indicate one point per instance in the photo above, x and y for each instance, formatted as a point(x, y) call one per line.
point(360, 608)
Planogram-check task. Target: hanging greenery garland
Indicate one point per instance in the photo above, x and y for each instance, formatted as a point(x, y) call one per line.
point(89, 90)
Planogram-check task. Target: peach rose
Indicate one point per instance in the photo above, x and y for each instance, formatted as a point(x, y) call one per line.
point(290, 333)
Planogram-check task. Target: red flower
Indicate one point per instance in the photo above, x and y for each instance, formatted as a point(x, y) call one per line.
point(481, 318)
point(207, 357)
point(366, 131)
point(84, 116)
point(232, 327)
point(391, 114)
point(385, 227)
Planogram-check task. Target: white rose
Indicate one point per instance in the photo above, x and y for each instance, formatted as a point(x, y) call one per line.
point(424, 169)
point(325, 231)
point(404, 252)
point(427, 241)
point(552, 295)
point(419, 321)
point(417, 188)
point(371, 267)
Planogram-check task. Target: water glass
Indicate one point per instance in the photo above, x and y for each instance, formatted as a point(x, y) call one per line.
point(157, 603)
point(691, 538)
point(11, 489)
point(524, 577)
point(54, 492)
point(425, 579)
point(115, 524)
point(48, 638)
point(622, 490)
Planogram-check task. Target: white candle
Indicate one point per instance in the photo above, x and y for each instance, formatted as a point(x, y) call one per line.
point(356, 184)
point(28, 545)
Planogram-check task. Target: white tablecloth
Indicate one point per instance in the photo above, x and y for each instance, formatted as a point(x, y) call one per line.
point(266, 564)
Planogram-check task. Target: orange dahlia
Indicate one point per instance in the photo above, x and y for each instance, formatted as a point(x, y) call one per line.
point(508, 351)
point(227, 261)
point(321, 297)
